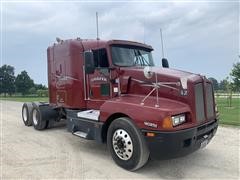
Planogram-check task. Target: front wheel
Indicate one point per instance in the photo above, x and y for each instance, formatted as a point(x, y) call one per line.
point(127, 145)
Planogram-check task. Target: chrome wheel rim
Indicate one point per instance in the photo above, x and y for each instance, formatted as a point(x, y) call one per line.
point(35, 117)
point(122, 144)
point(24, 114)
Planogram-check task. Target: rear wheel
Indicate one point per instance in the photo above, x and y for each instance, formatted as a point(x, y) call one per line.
point(38, 122)
point(27, 114)
point(127, 145)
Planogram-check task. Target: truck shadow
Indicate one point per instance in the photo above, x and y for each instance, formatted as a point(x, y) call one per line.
point(183, 167)
point(57, 126)
point(179, 168)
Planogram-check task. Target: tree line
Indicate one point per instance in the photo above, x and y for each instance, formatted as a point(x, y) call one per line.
point(229, 84)
point(22, 83)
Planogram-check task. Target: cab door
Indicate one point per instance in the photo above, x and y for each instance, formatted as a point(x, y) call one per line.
point(99, 82)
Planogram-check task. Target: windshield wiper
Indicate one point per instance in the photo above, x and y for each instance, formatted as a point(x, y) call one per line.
point(143, 59)
point(138, 60)
point(139, 56)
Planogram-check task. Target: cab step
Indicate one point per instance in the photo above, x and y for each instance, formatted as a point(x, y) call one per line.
point(80, 134)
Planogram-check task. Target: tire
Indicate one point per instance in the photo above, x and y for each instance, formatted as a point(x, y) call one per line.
point(27, 114)
point(38, 122)
point(126, 144)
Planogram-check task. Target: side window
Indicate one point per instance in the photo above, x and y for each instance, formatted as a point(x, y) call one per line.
point(100, 58)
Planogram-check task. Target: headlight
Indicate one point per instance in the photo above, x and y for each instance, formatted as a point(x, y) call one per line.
point(179, 119)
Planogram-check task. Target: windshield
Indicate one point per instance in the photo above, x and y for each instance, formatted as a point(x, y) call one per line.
point(131, 56)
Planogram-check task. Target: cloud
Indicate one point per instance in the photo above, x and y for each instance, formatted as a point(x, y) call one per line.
point(198, 37)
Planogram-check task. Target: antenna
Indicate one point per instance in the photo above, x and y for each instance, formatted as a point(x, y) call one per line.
point(97, 25)
point(98, 59)
point(144, 31)
point(162, 42)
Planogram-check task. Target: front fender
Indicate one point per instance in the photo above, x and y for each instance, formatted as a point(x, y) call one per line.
point(131, 107)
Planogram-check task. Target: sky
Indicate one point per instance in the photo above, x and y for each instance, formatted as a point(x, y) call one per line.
point(199, 37)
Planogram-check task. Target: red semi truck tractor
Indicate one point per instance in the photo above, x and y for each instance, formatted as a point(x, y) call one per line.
point(111, 92)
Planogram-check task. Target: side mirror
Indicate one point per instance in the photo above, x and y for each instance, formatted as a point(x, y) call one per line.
point(165, 63)
point(89, 62)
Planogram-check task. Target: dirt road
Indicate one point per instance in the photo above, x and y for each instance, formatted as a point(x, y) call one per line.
point(56, 153)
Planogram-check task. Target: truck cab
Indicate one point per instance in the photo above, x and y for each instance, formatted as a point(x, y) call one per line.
point(111, 91)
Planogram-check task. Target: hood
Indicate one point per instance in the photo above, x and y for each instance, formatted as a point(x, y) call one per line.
point(163, 74)
point(132, 81)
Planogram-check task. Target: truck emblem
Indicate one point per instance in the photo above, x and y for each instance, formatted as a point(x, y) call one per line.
point(150, 124)
point(184, 92)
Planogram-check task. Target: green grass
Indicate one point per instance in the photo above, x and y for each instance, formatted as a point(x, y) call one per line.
point(25, 99)
point(229, 115)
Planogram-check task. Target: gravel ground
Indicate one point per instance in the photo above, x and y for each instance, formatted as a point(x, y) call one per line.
point(56, 153)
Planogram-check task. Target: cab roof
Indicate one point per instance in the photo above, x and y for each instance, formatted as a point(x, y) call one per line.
point(95, 43)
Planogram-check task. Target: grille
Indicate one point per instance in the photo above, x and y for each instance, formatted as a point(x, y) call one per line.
point(199, 102)
point(209, 100)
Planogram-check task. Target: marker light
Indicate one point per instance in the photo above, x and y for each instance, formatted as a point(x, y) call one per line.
point(179, 119)
point(167, 122)
point(150, 134)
